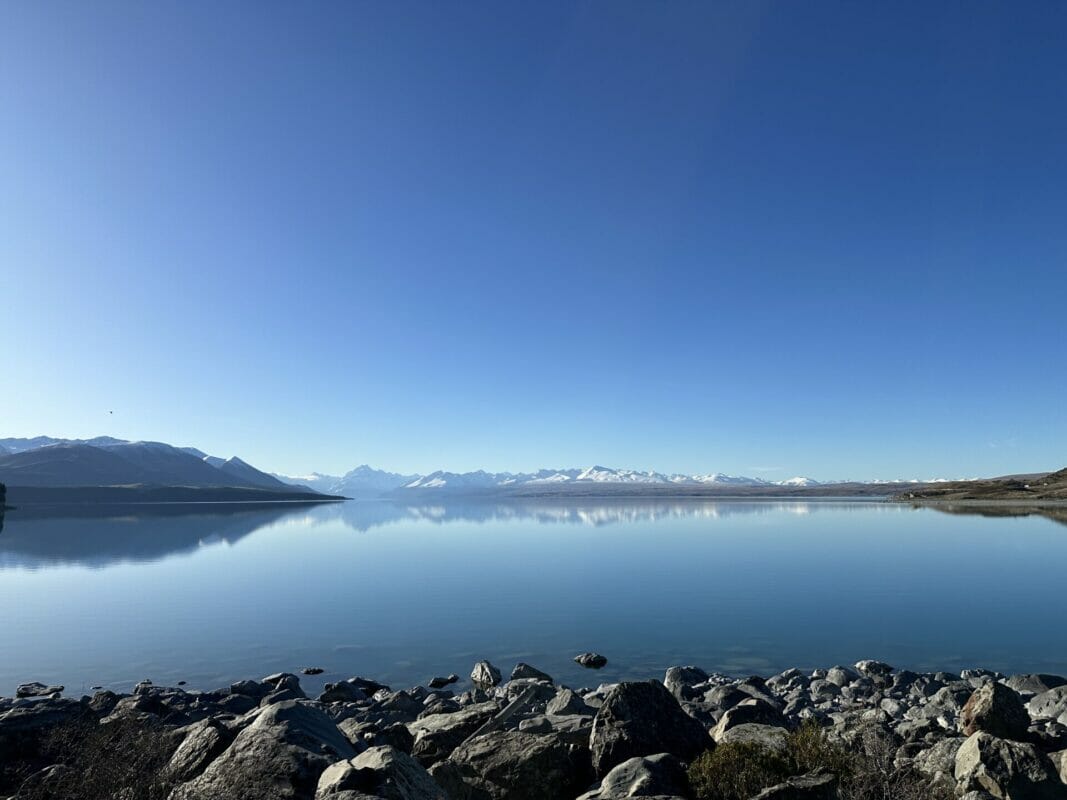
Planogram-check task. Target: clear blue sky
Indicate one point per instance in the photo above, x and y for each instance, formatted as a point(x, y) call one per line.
point(761, 238)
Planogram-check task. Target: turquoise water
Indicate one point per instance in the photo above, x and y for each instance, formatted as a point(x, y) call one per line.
point(209, 594)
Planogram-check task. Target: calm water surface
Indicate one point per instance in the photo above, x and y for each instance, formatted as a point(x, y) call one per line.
point(211, 594)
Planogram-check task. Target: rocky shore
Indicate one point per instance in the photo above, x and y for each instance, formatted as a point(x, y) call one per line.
point(847, 732)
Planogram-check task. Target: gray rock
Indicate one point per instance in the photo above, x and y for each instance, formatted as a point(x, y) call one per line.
point(380, 772)
point(440, 683)
point(437, 735)
point(485, 675)
point(1007, 770)
point(1030, 684)
point(1048, 705)
point(342, 692)
point(591, 660)
point(523, 670)
point(681, 680)
point(804, 787)
point(513, 765)
point(873, 669)
point(995, 709)
point(641, 719)
point(567, 702)
point(202, 742)
point(748, 711)
point(769, 737)
point(36, 689)
point(841, 676)
point(648, 776)
point(279, 756)
point(939, 761)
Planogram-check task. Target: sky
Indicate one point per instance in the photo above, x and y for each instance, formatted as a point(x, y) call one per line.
point(769, 239)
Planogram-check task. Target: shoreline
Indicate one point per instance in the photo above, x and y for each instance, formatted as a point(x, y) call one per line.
point(521, 734)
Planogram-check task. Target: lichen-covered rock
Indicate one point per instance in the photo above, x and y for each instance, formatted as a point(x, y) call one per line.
point(514, 765)
point(279, 756)
point(381, 772)
point(642, 719)
point(1048, 705)
point(995, 709)
point(437, 735)
point(648, 776)
point(1007, 770)
point(485, 675)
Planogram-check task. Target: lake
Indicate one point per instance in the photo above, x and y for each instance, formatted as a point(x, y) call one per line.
point(209, 594)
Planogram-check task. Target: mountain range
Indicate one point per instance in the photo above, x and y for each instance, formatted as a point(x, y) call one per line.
point(65, 463)
point(365, 481)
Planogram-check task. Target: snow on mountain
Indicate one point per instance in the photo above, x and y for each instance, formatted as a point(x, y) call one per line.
point(799, 481)
point(733, 480)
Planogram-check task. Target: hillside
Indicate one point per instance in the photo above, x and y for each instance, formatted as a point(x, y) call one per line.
point(1030, 488)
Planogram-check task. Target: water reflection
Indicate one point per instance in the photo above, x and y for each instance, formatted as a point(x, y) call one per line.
point(100, 536)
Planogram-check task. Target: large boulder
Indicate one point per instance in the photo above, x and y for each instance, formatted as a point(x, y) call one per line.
point(485, 675)
point(437, 735)
point(681, 680)
point(1031, 684)
point(202, 742)
point(567, 702)
point(1048, 705)
point(748, 712)
point(524, 670)
point(280, 755)
point(995, 709)
point(1007, 770)
point(513, 765)
point(642, 719)
point(647, 776)
point(381, 772)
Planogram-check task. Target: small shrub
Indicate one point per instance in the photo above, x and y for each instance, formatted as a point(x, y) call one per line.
point(124, 760)
point(739, 771)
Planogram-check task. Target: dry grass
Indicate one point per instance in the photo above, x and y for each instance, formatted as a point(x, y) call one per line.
point(739, 771)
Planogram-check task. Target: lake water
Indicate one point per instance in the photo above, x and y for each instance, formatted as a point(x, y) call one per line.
point(210, 594)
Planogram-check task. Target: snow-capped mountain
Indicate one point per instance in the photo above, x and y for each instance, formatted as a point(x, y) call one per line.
point(366, 482)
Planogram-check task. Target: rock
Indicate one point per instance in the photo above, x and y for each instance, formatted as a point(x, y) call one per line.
point(536, 724)
point(342, 692)
point(1059, 762)
point(591, 660)
point(485, 675)
point(202, 742)
point(437, 735)
point(1031, 684)
point(381, 772)
point(1007, 770)
point(36, 689)
point(312, 671)
point(642, 719)
point(513, 765)
point(681, 680)
point(396, 735)
point(813, 786)
point(995, 709)
point(250, 689)
point(440, 683)
point(1048, 705)
point(526, 671)
point(280, 755)
point(567, 702)
point(939, 760)
point(873, 669)
point(769, 737)
point(660, 774)
point(747, 712)
point(840, 676)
